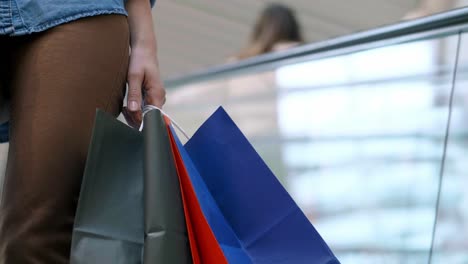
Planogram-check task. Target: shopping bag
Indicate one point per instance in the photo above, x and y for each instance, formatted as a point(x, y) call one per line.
point(203, 244)
point(225, 236)
point(130, 209)
point(252, 216)
point(4, 132)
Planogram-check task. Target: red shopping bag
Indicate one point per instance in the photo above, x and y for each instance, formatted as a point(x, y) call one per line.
point(203, 244)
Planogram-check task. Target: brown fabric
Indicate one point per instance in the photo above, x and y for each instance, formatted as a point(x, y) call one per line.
point(56, 79)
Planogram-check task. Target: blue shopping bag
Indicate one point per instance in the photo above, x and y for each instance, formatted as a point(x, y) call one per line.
point(252, 216)
point(4, 132)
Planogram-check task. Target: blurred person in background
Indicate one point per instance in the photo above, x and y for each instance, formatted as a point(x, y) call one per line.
point(276, 29)
point(59, 61)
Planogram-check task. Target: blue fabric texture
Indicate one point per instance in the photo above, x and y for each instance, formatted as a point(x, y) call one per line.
point(250, 213)
point(20, 17)
point(4, 132)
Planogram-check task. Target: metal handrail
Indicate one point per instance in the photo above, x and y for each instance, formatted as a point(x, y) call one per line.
point(431, 23)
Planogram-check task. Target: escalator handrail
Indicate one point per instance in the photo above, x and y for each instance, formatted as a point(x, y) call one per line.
point(430, 23)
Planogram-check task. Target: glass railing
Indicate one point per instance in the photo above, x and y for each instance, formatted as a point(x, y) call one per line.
point(369, 134)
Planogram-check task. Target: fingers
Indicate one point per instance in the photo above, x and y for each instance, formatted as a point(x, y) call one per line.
point(134, 97)
point(155, 94)
point(144, 83)
point(134, 80)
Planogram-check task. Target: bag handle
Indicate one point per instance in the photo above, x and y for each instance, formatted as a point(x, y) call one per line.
point(148, 108)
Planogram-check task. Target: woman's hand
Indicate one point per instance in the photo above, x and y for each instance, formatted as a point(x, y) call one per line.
point(144, 82)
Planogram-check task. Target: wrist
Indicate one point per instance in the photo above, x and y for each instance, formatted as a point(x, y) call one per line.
point(147, 47)
point(143, 37)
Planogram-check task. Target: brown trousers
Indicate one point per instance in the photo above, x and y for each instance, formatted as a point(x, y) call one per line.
point(55, 80)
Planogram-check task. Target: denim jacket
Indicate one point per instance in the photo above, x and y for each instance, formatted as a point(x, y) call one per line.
point(19, 17)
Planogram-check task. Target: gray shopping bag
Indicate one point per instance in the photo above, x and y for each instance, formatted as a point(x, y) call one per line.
point(130, 208)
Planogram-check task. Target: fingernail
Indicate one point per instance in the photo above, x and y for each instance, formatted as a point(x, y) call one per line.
point(133, 106)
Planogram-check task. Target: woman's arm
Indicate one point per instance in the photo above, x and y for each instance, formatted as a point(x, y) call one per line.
point(143, 73)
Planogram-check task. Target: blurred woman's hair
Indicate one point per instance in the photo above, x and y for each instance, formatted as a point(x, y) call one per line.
point(277, 23)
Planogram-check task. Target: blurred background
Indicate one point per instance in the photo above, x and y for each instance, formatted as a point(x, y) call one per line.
point(195, 34)
point(350, 109)
point(359, 107)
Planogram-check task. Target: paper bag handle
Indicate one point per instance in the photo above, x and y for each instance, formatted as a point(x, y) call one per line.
point(148, 108)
